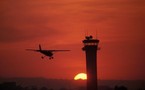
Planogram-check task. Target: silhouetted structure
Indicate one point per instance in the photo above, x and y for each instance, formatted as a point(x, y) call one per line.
point(120, 88)
point(91, 47)
point(10, 86)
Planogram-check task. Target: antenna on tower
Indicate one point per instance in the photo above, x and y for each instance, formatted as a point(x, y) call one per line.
point(96, 33)
point(86, 33)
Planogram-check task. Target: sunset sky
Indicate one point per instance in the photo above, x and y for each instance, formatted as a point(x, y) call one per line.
point(63, 24)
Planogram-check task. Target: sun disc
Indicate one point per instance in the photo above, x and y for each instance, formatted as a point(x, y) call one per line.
point(80, 76)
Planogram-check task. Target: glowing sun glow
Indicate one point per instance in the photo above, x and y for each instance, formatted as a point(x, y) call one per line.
point(80, 76)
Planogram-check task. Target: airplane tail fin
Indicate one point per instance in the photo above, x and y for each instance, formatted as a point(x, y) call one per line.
point(40, 47)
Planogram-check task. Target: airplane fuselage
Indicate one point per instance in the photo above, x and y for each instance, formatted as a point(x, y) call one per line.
point(47, 53)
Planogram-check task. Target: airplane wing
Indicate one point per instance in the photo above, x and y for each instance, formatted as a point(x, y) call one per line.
point(55, 50)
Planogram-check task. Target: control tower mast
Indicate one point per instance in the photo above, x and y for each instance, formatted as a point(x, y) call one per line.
point(90, 48)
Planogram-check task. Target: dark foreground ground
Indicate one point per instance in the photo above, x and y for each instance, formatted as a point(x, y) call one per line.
point(61, 84)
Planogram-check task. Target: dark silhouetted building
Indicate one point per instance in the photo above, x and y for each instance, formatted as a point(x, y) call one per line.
point(8, 86)
point(90, 48)
point(120, 88)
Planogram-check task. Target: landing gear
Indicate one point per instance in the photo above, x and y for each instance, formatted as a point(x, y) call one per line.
point(42, 57)
point(50, 57)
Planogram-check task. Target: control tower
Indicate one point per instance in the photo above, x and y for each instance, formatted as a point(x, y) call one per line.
point(90, 48)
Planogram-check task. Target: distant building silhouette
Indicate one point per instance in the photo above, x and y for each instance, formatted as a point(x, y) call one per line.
point(8, 86)
point(120, 88)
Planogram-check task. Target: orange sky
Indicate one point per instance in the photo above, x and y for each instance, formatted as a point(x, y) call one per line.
point(62, 24)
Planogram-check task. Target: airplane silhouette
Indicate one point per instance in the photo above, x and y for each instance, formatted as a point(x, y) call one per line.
point(48, 53)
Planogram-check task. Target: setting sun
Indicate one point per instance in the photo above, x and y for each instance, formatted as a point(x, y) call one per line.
point(80, 76)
